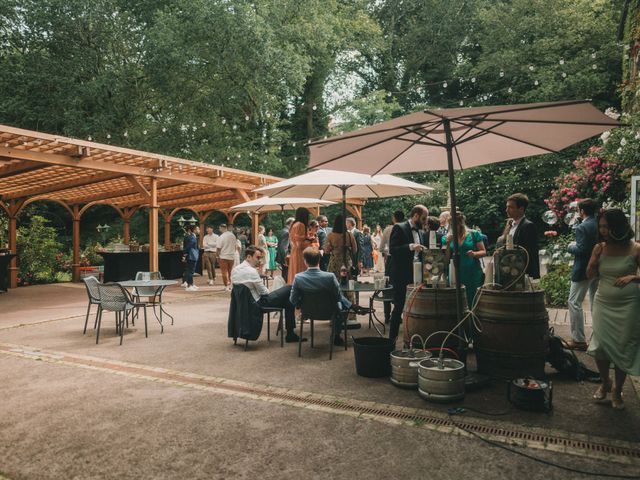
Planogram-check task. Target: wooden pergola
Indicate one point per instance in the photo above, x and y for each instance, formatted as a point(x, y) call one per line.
point(78, 174)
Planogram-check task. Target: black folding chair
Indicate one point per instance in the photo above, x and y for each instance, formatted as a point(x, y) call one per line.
point(322, 305)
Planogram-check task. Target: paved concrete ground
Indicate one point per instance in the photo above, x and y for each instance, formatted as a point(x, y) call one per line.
point(60, 419)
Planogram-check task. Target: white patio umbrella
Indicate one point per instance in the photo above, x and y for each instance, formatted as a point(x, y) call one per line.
point(268, 204)
point(338, 185)
point(429, 140)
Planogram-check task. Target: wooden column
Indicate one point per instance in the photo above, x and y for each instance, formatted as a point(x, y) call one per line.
point(126, 214)
point(153, 226)
point(125, 231)
point(76, 243)
point(14, 208)
point(166, 216)
point(255, 222)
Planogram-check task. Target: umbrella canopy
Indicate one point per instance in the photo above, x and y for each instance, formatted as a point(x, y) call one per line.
point(475, 136)
point(267, 204)
point(431, 139)
point(333, 185)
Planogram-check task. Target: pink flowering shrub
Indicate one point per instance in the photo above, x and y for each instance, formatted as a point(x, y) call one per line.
point(593, 176)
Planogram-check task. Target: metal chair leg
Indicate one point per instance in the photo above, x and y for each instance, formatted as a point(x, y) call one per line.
point(268, 326)
point(281, 328)
point(344, 323)
point(311, 322)
point(86, 319)
point(146, 334)
point(332, 336)
point(300, 339)
point(246, 344)
point(99, 321)
point(122, 323)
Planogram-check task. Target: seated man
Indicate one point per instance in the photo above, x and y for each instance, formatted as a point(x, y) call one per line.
point(247, 274)
point(315, 279)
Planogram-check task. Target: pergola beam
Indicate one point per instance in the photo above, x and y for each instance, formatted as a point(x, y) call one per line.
point(9, 169)
point(139, 187)
point(123, 169)
point(62, 186)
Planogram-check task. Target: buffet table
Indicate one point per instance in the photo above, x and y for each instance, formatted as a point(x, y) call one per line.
point(124, 266)
point(4, 271)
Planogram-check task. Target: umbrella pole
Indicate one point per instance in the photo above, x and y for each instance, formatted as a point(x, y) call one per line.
point(344, 229)
point(282, 214)
point(454, 220)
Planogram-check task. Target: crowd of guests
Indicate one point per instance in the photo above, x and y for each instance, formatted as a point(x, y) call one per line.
point(310, 252)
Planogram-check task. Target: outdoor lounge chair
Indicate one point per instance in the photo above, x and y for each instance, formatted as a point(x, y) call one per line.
point(91, 284)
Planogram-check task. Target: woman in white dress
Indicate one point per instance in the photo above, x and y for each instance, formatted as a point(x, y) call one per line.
point(262, 243)
point(379, 260)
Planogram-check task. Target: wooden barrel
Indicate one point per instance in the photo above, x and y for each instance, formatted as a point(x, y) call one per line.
point(441, 381)
point(515, 334)
point(431, 310)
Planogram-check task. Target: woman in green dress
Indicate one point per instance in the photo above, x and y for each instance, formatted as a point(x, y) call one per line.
point(616, 326)
point(471, 250)
point(272, 245)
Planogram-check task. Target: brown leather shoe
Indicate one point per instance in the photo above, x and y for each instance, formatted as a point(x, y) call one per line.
point(581, 346)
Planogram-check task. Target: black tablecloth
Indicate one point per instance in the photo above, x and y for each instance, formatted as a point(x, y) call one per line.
point(4, 271)
point(124, 266)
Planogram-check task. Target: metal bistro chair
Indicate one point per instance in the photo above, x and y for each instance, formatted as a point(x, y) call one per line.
point(279, 331)
point(91, 284)
point(114, 298)
point(384, 296)
point(153, 295)
point(321, 305)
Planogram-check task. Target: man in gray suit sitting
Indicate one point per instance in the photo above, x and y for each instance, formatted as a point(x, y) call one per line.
point(314, 279)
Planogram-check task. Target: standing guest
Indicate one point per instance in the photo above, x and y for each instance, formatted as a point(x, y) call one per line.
point(247, 274)
point(616, 329)
point(299, 241)
point(398, 216)
point(367, 250)
point(471, 249)
point(283, 249)
point(357, 234)
point(323, 231)
point(340, 261)
point(236, 255)
point(312, 234)
point(244, 241)
point(210, 245)
point(190, 246)
point(262, 243)
point(378, 260)
point(272, 245)
point(226, 247)
point(405, 245)
point(586, 238)
point(444, 219)
point(433, 225)
point(523, 231)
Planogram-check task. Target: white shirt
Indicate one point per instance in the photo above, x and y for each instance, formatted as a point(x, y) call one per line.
point(210, 242)
point(514, 226)
point(416, 239)
point(226, 245)
point(384, 243)
point(247, 275)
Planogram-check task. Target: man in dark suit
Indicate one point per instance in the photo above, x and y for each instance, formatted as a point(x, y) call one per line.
point(323, 231)
point(314, 280)
point(283, 248)
point(523, 231)
point(405, 245)
point(586, 238)
point(190, 247)
point(357, 234)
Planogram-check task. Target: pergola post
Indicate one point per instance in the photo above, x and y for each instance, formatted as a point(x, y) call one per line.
point(153, 226)
point(166, 216)
point(14, 208)
point(126, 214)
point(76, 243)
point(255, 222)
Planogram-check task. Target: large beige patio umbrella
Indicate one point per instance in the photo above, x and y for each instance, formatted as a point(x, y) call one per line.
point(338, 185)
point(447, 139)
point(267, 204)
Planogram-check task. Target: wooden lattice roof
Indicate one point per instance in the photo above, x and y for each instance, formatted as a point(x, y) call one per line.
point(36, 165)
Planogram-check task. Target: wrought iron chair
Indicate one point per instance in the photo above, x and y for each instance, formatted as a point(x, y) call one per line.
point(152, 295)
point(91, 284)
point(321, 305)
point(114, 298)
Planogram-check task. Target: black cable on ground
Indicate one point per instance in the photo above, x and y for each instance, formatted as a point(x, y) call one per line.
point(463, 408)
point(539, 460)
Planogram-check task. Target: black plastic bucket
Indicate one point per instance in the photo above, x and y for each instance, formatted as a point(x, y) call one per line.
point(373, 356)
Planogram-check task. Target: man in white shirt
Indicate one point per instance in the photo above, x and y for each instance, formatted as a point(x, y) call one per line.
point(210, 244)
point(226, 248)
point(247, 274)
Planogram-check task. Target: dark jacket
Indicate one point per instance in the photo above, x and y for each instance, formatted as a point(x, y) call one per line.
point(190, 246)
point(401, 259)
point(357, 256)
point(283, 246)
point(527, 237)
point(586, 238)
point(245, 315)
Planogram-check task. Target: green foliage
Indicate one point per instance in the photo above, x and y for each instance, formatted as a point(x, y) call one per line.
point(556, 285)
point(37, 250)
